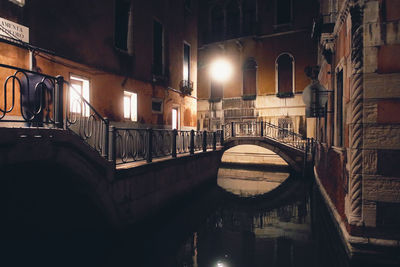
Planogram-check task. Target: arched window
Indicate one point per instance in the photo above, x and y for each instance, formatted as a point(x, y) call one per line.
point(217, 23)
point(249, 16)
point(285, 75)
point(250, 77)
point(232, 19)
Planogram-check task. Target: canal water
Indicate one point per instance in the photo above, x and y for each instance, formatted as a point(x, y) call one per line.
point(253, 216)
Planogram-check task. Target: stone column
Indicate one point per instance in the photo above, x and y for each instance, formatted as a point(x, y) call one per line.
point(356, 110)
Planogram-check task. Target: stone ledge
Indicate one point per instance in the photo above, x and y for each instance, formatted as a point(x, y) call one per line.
point(352, 243)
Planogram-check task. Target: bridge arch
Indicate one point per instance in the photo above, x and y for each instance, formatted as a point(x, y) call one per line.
point(293, 157)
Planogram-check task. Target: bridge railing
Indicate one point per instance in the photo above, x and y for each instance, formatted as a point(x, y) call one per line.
point(267, 130)
point(33, 99)
point(135, 144)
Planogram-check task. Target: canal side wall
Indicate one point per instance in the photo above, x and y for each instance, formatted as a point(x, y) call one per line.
point(144, 190)
point(122, 196)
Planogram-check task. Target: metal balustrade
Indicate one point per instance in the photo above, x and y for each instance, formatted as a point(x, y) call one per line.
point(267, 130)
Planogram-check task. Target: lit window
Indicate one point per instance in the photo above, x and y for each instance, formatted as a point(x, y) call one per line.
point(79, 88)
point(130, 106)
point(186, 62)
point(175, 118)
point(18, 2)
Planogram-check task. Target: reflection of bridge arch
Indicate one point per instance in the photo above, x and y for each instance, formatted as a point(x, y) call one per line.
point(294, 157)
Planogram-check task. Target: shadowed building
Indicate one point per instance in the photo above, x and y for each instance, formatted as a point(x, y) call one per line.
point(357, 159)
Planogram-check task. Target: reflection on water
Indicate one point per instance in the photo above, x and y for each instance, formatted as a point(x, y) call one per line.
point(247, 182)
point(256, 232)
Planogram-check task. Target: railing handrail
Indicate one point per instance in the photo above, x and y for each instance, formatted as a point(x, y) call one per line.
point(84, 100)
point(28, 71)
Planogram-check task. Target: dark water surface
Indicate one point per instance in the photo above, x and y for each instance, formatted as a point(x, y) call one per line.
point(216, 228)
point(212, 227)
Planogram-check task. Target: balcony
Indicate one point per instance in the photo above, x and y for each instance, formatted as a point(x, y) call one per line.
point(186, 87)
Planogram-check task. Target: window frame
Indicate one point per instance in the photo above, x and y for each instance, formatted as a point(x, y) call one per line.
point(133, 113)
point(156, 20)
point(185, 43)
point(120, 49)
point(83, 80)
point(277, 25)
point(290, 94)
point(250, 96)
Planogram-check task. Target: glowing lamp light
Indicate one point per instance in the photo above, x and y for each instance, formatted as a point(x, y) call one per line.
point(221, 70)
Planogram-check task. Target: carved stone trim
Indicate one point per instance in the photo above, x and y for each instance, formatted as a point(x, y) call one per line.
point(356, 109)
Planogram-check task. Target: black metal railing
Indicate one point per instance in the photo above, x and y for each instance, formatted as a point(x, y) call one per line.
point(134, 144)
point(29, 98)
point(264, 129)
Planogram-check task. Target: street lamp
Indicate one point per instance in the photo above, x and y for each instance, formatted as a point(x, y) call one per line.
point(221, 70)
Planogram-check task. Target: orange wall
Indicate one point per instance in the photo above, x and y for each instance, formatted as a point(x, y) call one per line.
point(265, 52)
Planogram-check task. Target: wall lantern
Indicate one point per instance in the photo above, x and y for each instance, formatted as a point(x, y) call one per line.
point(315, 96)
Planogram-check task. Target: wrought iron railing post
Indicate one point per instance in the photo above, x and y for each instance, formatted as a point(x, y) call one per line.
point(174, 135)
point(204, 141)
point(105, 146)
point(262, 129)
point(112, 140)
point(232, 129)
point(222, 137)
point(191, 142)
point(214, 141)
point(59, 102)
point(149, 145)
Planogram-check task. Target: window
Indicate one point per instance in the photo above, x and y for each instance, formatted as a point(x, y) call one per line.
point(157, 105)
point(175, 118)
point(216, 90)
point(217, 23)
point(79, 88)
point(21, 3)
point(283, 11)
point(158, 48)
point(250, 77)
point(233, 19)
point(122, 8)
point(285, 126)
point(249, 16)
point(186, 62)
point(339, 109)
point(130, 106)
point(285, 75)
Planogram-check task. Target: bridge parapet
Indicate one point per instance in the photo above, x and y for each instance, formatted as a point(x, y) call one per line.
point(267, 130)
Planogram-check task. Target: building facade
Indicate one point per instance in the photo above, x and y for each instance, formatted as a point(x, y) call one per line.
point(359, 135)
point(134, 61)
point(268, 45)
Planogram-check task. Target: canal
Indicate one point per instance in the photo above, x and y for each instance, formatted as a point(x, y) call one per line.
point(251, 215)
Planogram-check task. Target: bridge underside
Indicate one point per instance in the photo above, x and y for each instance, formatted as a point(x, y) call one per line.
point(294, 157)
